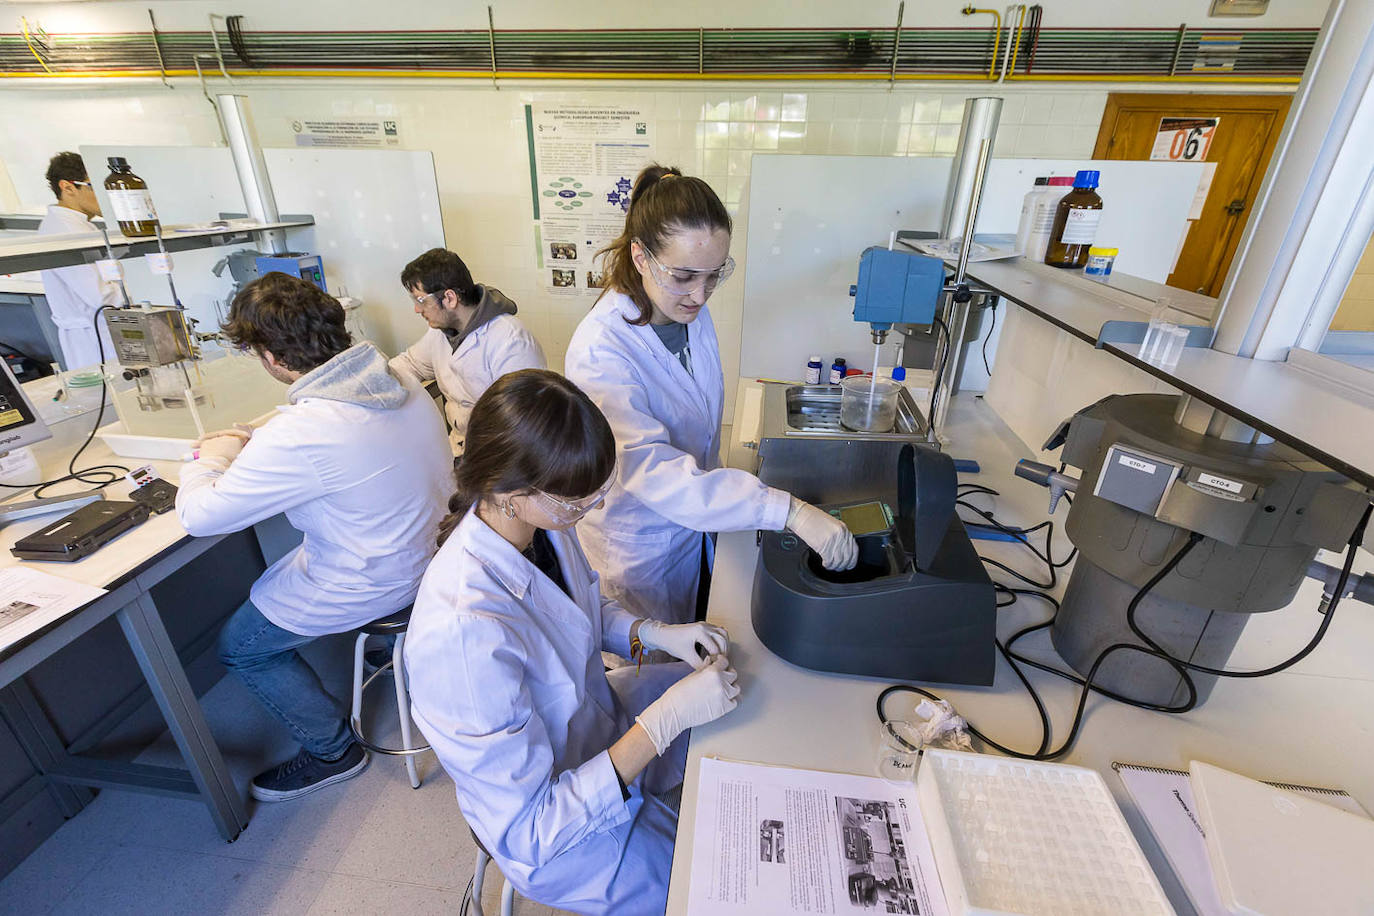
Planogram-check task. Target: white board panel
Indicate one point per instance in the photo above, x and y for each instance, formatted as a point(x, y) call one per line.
point(810, 217)
point(374, 211)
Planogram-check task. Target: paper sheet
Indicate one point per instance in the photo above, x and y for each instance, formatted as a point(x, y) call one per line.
point(30, 600)
point(774, 841)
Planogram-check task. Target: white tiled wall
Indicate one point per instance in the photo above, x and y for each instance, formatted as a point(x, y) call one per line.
point(477, 136)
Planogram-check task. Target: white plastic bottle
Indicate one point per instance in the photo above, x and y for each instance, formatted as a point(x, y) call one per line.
point(1027, 211)
point(1042, 217)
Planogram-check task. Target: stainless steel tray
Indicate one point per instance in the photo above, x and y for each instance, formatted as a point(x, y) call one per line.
point(813, 411)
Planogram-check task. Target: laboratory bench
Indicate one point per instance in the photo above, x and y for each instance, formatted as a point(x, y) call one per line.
point(1312, 724)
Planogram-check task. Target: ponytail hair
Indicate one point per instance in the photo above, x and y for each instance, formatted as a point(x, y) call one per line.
point(663, 203)
point(532, 429)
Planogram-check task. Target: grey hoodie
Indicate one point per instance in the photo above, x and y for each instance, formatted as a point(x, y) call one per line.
point(493, 303)
point(358, 375)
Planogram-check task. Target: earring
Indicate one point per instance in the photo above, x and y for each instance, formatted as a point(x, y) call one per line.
point(507, 509)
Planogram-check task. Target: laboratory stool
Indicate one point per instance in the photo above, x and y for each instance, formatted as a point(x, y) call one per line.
point(479, 872)
point(391, 625)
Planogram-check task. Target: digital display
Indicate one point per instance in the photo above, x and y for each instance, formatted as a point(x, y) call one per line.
point(131, 334)
point(865, 518)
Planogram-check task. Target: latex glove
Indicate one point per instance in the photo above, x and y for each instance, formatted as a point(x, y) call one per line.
point(222, 450)
point(239, 431)
point(702, 696)
point(681, 640)
point(825, 534)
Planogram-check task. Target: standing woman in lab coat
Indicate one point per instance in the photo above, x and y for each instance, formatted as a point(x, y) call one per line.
point(647, 355)
point(559, 766)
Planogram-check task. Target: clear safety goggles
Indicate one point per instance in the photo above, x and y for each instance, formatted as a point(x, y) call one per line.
point(683, 281)
point(567, 511)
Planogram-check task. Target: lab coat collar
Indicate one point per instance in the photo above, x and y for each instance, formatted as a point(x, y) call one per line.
point(70, 219)
point(688, 380)
point(509, 566)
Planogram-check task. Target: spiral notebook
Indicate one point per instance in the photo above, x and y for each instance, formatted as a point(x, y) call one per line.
point(1165, 800)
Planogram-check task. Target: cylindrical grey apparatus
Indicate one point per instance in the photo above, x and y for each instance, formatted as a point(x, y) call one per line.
point(979, 124)
point(251, 169)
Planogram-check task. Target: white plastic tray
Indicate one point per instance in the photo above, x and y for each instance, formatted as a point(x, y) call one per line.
point(1015, 838)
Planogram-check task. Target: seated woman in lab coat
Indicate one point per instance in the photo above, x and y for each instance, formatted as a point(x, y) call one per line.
point(560, 766)
point(648, 357)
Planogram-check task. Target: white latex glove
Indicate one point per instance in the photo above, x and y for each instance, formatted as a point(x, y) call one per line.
point(222, 449)
point(825, 534)
point(239, 431)
point(681, 640)
point(702, 696)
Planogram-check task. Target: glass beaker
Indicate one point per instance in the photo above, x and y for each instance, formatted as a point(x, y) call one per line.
point(868, 404)
point(899, 751)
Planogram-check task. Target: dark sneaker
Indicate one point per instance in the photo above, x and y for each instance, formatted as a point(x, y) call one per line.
point(305, 773)
point(374, 660)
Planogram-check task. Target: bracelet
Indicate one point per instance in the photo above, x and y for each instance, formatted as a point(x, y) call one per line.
point(637, 653)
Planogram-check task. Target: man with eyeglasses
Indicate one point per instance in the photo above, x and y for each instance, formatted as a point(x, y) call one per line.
point(473, 339)
point(75, 294)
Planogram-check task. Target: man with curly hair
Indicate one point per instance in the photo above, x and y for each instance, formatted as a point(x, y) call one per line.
point(358, 461)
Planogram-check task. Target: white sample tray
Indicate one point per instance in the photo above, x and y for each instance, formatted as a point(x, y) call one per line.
point(1017, 838)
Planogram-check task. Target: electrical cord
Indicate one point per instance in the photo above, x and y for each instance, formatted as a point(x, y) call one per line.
point(939, 373)
point(992, 308)
point(100, 475)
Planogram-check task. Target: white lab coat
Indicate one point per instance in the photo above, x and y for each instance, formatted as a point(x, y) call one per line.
point(500, 346)
point(75, 293)
point(647, 542)
point(359, 464)
point(507, 684)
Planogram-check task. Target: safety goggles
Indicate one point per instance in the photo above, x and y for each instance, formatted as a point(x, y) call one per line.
point(567, 511)
point(683, 281)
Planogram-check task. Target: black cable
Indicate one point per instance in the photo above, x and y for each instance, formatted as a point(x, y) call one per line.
point(935, 382)
point(101, 475)
point(467, 897)
point(987, 337)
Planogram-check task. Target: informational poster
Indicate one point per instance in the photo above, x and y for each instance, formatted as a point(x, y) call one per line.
point(347, 133)
point(1183, 139)
point(773, 841)
point(583, 161)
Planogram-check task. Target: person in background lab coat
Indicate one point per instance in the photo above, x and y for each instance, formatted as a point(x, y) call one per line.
point(75, 293)
point(473, 339)
point(647, 355)
point(560, 767)
point(358, 462)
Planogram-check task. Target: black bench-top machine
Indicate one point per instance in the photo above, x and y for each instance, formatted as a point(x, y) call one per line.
point(918, 606)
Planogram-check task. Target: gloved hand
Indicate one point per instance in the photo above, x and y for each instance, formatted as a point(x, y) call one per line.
point(222, 449)
point(240, 431)
point(680, 640)
point(825, 534)
point(702, 696)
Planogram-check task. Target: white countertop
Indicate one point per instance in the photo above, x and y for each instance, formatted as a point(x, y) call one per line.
point(1313, 724)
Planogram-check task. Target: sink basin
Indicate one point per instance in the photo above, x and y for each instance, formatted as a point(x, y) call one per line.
point(814, 410)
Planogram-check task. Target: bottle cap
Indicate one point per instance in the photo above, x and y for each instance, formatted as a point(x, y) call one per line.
point(1060, 181)
point(1087, 178)
point(899, 374)
point(1103, 252)
point(1041, 181)
point(839, 360)
point(118, 162)
point(815, 359)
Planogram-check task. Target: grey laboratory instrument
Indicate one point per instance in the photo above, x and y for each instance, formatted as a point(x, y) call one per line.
point(20, 423)
point(918, 606)
point(1262, 510)
point(28, 508)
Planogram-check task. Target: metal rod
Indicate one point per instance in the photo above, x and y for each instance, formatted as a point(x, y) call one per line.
point(251, 167)
point(897, 41)
point(1014, 45)
point(491, 40)
point(219, 55)
point(157, 46)
point(971, 213)
point(109, 253)
point(1178, 48)
point(205, 91)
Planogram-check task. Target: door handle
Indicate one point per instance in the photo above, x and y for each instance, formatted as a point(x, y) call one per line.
point(1235, 207)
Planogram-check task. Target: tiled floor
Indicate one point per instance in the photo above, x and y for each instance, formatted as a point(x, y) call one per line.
point(368, 845)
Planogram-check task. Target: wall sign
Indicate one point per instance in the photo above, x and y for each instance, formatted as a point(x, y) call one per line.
point(347, 133)
point(1184, 139)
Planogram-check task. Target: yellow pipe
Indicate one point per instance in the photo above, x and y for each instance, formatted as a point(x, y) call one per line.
point(996, 34)
point(685, 77)
point(1016, 42)
point(24, 23)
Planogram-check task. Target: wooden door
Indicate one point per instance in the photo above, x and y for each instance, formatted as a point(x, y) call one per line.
point(1241, 145)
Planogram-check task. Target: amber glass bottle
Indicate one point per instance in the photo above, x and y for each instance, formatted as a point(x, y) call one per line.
point(133, 205)
point(1075, 223)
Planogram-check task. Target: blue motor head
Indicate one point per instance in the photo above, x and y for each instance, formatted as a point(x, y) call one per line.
point(896, 287)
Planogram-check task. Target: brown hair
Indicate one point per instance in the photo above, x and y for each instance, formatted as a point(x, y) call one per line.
point(440, 269)
point(65, 167)
point(532, 429)
point(663, 203)
point(300, 324)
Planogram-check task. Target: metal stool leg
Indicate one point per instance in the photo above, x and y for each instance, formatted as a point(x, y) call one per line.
point(398, 671)
point(479, 873)
point(507, 898)
point(359, 647)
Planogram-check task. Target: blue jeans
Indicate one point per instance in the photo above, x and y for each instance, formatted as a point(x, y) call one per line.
point(264, 655)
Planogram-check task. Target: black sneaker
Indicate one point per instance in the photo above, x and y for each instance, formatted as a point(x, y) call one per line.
point(305, 773)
